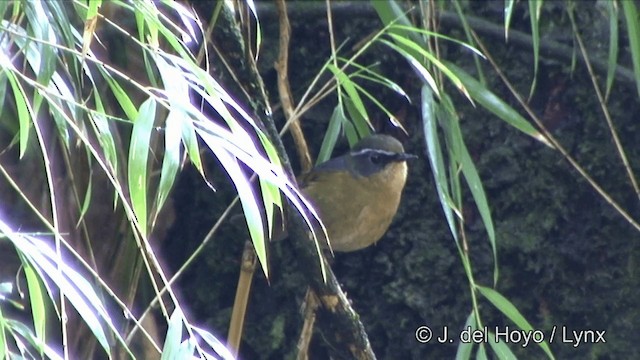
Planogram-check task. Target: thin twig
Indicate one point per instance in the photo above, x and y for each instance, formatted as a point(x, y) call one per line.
point(605, 111)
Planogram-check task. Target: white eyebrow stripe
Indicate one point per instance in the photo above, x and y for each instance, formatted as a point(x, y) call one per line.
point(375, 151)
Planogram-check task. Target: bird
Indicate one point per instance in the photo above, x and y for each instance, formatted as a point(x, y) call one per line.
point(357, 194)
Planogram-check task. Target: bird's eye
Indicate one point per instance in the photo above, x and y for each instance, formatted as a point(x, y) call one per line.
point(376, 159)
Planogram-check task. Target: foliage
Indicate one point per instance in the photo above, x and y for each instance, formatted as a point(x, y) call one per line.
point(76, 109)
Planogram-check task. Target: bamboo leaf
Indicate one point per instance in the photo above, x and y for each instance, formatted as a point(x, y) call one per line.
point(464, 348)
point(500, 348)
point(633, 31)
point(25, 112)
point(331, 135)
point(173, 339)
point(508, 13)
point(461, 160)
point(346, 83)
point(138, 156)
point(612, 9)
point(534, 15)
point(497, 106)
point(36, 299)
point(434, 152)
point(171, 158)
point(507, 308)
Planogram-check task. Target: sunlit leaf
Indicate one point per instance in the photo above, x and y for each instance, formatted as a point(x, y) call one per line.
point(25, 113)
point(417, 65)
point(214, 343)
point(90, 23)
point(442, 67)
point(121, 96)
point(258, 29)
point(138, 156)
point(105, 136)
point(3, 337)
point(36, 299)
point(271, 198)
point(173, 339)
point(247, 197)
point(75, 288)
point(346, 83)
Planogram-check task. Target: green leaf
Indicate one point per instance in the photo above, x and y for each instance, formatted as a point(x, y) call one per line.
point(270, 193)
point(36, 299)
point(500, 348)
point(633, 31)
point(507, 308)
point(461, 160)
point(103, 132)
point(25, 332)
point(74, 287)
point(121, 96)
point(171, 158)
point(138, 156)
point(508, 13)
point(87, 198)
point(612, 9)
point(441, 66)
point(246, 194)
point(496, 105)
point(464, 348)
point(4, 349)
point(417, 65)
point(331, 135)
point(258, 29)
point(94, 5)
point(434, 152)
point(360, 124)
point(534, 15)
point(25, 112)
point(346, 83)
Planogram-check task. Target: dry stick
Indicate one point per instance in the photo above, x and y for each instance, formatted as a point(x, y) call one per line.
point(247, 268)
point(284, 89)
point(288, 108)
point(607, 116)
point(553, 140)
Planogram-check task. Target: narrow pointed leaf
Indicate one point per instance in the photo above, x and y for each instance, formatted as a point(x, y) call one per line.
point(507, 308)
point(138, 156)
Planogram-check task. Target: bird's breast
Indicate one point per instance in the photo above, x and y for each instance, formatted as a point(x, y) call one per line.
point(358, 211)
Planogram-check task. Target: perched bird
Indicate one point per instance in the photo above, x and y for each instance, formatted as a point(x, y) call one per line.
point(357, 194)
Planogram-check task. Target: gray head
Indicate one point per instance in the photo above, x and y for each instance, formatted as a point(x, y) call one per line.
point(373, 153)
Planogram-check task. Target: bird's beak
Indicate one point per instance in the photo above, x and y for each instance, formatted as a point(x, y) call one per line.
point(405, 157)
